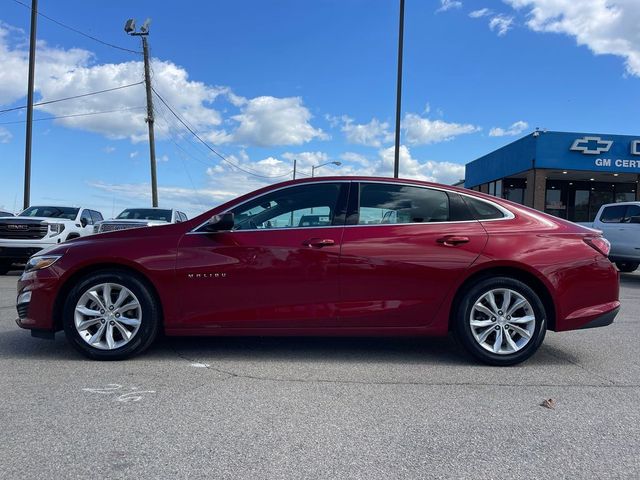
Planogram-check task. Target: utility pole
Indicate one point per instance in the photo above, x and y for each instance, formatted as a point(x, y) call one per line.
point(295, 163)
point(32, 71)
point(144, 33)
point(396, 163)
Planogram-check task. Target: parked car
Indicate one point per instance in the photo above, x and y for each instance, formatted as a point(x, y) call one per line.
point(40, 227)
point(5, 214)
point(495, 273)
point(140, 217)
point(620, 224)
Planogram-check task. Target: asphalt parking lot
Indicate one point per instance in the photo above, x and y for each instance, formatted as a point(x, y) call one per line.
point(322, 408)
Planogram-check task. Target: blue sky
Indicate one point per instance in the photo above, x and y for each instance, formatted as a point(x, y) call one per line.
point(265, 82)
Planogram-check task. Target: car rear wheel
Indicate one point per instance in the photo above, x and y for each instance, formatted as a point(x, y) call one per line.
point(111, 315)
point(500, 321)
point(627, 267)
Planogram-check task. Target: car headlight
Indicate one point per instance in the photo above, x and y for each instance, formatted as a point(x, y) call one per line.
point(41, 262)
point(56, 228)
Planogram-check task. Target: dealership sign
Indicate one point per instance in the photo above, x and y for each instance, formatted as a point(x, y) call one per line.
point(590, 145)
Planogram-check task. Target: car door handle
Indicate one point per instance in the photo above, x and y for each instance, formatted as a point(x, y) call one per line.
point(319, 242)
point(453, 240)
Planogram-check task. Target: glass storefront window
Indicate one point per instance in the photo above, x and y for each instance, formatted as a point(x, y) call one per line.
point(556, 199)
point(498, 188)
point(581, 207)
point(580, 201)
point(513, 189)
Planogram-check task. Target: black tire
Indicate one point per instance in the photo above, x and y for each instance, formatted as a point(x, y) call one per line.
point(627, 267)
point(5, 267)
point(149, 326)
point(462, 328)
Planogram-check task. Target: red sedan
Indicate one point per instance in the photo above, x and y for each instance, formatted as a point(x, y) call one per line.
point(330, 256)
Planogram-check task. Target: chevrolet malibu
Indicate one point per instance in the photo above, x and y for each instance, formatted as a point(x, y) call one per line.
point(331, 256)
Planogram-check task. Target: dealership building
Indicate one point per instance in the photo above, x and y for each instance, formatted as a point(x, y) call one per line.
point(569, 175)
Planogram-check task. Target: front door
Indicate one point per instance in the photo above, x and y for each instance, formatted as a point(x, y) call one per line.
point(404, 254)
point(278, 267)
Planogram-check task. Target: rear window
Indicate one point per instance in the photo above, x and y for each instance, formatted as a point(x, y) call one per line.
point(633, 211)
point(483, 210)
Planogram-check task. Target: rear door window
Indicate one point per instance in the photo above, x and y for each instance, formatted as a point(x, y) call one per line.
point(382, 203)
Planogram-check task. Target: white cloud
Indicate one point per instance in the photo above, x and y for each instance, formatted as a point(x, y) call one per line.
point(109, 149)
point(134, 154)
point(270, 121)
point(483, 12)
point(501, 24)
point(516, 128)
point(372, 134)
point(5, 135)
point(430, 171)
point(355, 158)
point(261, 121)
point(448, 5)
point(421, 130)
point(604, 26)
point(163, 158)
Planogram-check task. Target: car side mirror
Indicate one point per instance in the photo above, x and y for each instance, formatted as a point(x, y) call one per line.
point(219, 223)
point(635, 219)
point(83, 222)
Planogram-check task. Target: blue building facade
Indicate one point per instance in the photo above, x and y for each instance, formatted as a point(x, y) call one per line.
point(566, 174)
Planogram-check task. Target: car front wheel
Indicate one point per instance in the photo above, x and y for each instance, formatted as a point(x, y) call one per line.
point(500, 321)
point(111, 315)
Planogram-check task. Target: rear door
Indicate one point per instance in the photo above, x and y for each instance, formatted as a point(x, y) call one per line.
point(404, 251)
point(278, 267)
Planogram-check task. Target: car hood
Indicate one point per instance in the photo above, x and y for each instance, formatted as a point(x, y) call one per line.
point(40, 219)
point(136, 222)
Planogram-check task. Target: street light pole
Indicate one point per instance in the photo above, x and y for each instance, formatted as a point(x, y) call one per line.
point(144, 33)
point(315, 167)
point(396, 163)
point(32, 71)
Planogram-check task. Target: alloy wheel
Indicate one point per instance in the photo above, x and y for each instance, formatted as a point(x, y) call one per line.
point(502, 321)
point(107, 316)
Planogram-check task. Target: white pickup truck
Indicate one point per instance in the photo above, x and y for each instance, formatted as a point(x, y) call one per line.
point(620, 224)
point(39, 227)
point(140, 217)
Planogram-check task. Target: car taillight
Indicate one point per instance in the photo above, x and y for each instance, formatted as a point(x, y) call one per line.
point(600, 244)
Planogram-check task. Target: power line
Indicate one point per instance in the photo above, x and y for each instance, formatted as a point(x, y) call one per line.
point(211, 148)
point(71, 98)
point(73, 115)
point(95, 39)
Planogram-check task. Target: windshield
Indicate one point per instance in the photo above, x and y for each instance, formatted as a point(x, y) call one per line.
point(145, 214)
point(67, 213)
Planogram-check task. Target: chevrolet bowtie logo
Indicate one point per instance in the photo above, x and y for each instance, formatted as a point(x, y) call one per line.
point(591, 145)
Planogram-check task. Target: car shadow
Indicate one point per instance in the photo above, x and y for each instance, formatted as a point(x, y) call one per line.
point(426, 351)
point(631, 280)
